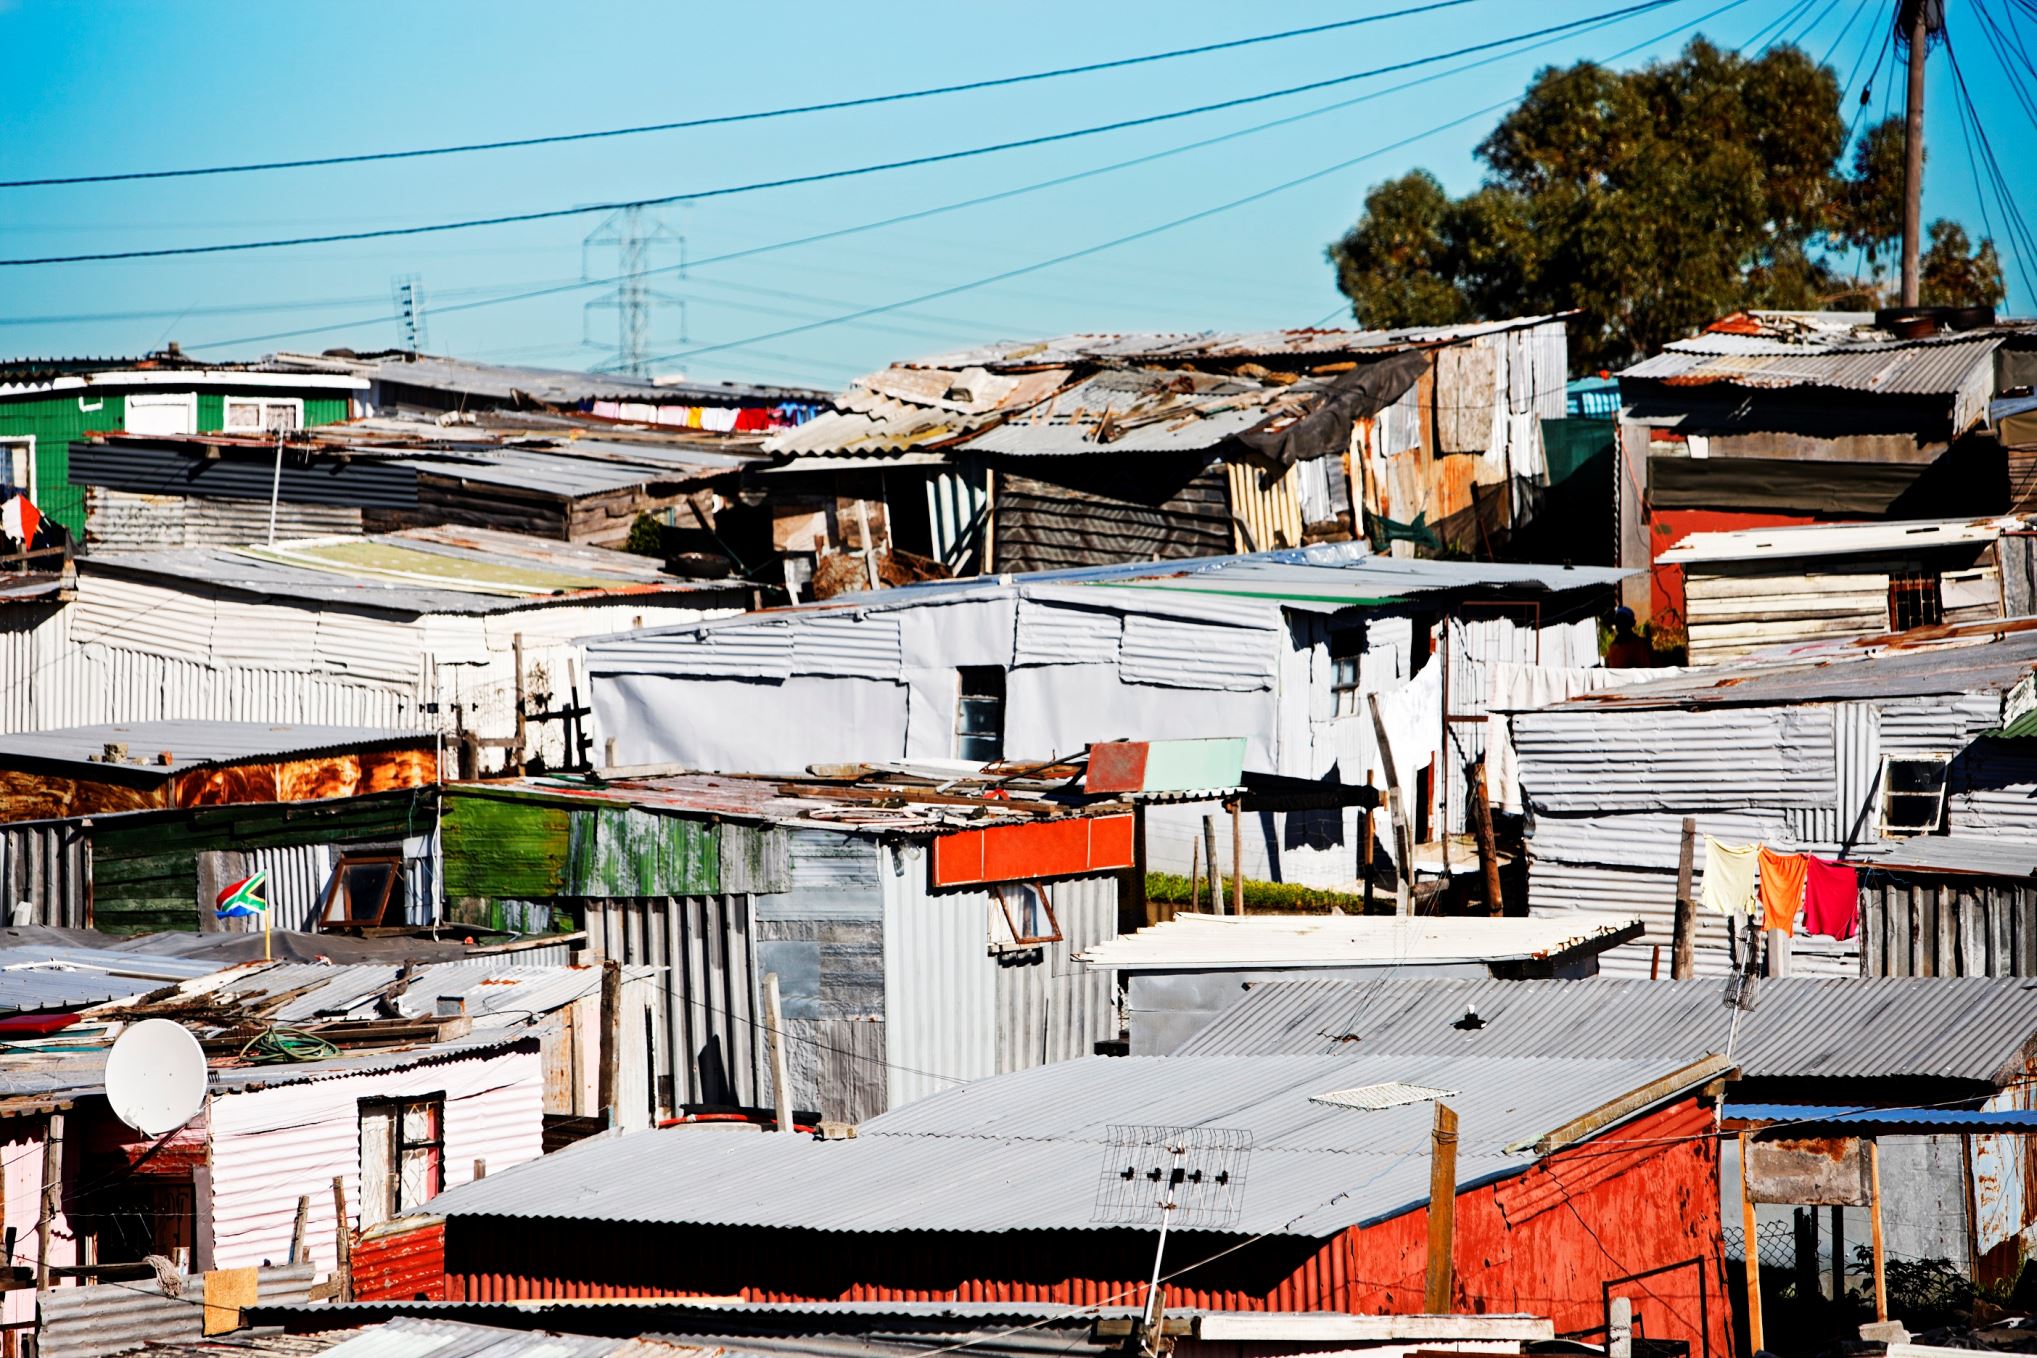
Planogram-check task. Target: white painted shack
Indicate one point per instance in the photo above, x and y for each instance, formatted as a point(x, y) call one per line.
point(1757, 589)
point(422, 629)
point(1278, 648)
point(1870, 753)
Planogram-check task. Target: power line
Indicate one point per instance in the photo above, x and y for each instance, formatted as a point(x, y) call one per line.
point(2018, 230)
point(721, 120)
point(1146, 232)
point(817, 177)
point(986, 199)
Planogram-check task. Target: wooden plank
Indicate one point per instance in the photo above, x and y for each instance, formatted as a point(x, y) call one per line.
point(1440, 1275)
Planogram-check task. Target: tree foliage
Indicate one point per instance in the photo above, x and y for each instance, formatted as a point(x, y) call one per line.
point(1654, 201)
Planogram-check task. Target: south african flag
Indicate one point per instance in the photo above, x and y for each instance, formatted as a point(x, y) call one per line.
point(248, 896)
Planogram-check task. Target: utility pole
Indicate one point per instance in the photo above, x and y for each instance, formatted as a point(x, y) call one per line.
point(633, 235)
point(1914, 22)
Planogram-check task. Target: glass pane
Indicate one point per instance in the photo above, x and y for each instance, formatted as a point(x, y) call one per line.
point(420, 1180)
point(1915, 775)
point(980, 717)
point(363, 886)
point(978, 749)
point(420, 1123)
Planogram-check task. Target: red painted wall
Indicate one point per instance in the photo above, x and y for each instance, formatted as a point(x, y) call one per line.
point(402, 1262)
point(1667, 527)
point(1642, 1197)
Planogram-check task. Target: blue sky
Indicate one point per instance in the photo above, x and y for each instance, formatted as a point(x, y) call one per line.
point(118, 86)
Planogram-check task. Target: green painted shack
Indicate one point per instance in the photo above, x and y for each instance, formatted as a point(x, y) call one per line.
point(45, 404)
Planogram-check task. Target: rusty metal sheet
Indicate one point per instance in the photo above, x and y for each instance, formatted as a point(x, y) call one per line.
point(225, 786)
point(1815, 1171)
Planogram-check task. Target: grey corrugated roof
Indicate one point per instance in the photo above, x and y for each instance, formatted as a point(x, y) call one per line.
point(1184, 346)
point(54, 980)
point(1024, 1151)
point(1969, 1028)
point(554, 386)
point(1141, 411)
point(1200, 942)
point(496, 997)
point(1919, 670)
point(194, 743)
point(1952, 853)
point(485, 571)
point(1924, 367)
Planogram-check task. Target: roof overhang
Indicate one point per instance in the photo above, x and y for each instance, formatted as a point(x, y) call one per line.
point(186, 377)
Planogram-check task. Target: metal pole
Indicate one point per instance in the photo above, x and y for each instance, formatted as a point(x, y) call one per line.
point(1913, 150)
point(1683, 955)
point(275, 487)
point(781, 1080)
point(1153, 1306)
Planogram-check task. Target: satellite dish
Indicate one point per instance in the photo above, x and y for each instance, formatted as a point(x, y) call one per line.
point(155, 1077)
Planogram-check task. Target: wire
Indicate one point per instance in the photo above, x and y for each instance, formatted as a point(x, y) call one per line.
point(817, 177)
point(2021, 241)
point(923, 214)
point(1038, 265)
point(721, 120)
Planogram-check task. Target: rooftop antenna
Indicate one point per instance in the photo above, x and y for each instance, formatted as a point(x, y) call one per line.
point(155, 1076)
point(408, 291)
point(1192, 1177)
point(633, 233)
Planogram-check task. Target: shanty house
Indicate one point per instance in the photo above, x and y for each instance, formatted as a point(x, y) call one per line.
point(1775, 418)
point(47, 404)
point(1758, 589)
point(1945, 1064)
point(467, 632)
point(1904, 752)
point(1570, 1176)
point(1279, 649)
point(566, 479)
point(921, 927)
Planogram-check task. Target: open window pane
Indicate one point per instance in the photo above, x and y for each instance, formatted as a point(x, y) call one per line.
point(1913, 794)
point(363, 885)
point(1027, 912)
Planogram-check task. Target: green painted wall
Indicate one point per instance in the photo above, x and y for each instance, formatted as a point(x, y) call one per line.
point(621, 851)
point(55, 420)
point(497, 847)
point(145, 868)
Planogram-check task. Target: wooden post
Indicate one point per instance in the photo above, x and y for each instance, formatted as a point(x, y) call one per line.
point(480, 1170)
point(1838, 1253)
point(1365, 845)
point(343, 1240)
point(781, 1078)
point(297, 1228)
point(1683, 953)
point(1403, 837)
point(1442, 1211)
point(1488, 849)
point(1778, 952)
point(516, 646)
point(1874, 1220)
point(51, 1195)
point(611, 1040)
point(1209, 855)
point(1133, 911)
point(1620, 1328)
point(1752, 1249)
point(1195, 874)
point(470, 755)
point(1237, 856)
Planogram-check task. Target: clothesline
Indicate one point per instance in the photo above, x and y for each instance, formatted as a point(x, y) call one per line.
point(1755, 880)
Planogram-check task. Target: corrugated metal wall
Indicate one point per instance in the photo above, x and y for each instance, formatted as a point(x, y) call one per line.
point(709, 1046)
point(87, 1322)
point(957, 498)
point(1049, 1006)
point(1267, 516)
point(271, 1145)
point(1947, 926)
point(130, 522)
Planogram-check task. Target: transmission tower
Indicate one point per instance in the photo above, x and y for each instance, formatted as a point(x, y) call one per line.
point(408, 292)
point(634, 235)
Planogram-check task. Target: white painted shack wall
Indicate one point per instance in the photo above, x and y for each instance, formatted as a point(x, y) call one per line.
point(130, 650)
point(22, 1147)
point(271, 1145)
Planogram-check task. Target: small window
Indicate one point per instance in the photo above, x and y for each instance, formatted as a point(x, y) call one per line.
point(979, 714)
point(1346, 699)
point(363, 886)
point(17, 463)
point(259, 415)
point(1026, 914)
point(1914, 600)
point(403, 1145)
point(1913, 793)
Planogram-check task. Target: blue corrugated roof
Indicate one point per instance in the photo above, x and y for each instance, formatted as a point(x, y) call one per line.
point(1871, 1120)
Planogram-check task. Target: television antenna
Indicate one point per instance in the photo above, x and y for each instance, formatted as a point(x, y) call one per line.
point(1191, 1177)
point(155, 1076)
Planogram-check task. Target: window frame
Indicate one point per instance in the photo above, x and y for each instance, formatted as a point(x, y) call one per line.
point(1943, 763)
point(186, 401)
point(335, 887)
point(963, 700)
point(1346, 647)
point(1924, 590)
point(1001, 895)
point(25, 443)
point(392, 1203)
point(261, 405)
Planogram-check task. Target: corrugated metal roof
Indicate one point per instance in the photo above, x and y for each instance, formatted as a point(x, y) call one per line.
point(1967, 1028)
point(1024, 1151)
point(52, 980)
point(553, 386)
point(1199, 942)
point(495, 996)
point(412, 1337)
point(110, 1317)
point(1143, 411)
point(1186, 346)
point(1883, 1121)
point(1993, 857)
point(195, 744)
point(902, 408)
point(417, 570)
point(1940, 366)
point(1836, 539)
